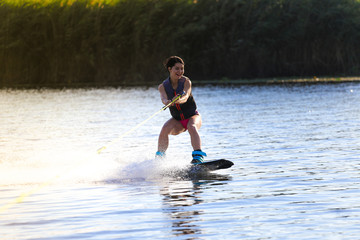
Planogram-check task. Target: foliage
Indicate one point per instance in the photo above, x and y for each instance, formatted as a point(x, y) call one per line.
point(112, 42)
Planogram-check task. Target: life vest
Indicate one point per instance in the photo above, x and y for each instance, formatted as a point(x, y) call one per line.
point(180, 111)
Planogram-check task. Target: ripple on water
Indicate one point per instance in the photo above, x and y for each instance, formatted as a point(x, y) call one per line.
point(296, 172)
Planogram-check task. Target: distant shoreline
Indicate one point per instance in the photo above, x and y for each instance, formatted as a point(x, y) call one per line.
point(223, 81)
point(281, 80)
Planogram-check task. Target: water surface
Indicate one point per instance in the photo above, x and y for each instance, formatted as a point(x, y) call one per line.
point(295, 148)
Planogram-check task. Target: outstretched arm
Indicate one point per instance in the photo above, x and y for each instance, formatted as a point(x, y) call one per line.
point(163, 95)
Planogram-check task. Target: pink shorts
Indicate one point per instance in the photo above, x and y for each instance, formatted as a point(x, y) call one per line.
point(185, 123)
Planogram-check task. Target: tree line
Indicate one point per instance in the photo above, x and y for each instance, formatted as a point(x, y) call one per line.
point(124, 42)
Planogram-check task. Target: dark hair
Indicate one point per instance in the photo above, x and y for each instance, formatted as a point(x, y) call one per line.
point(171, 61)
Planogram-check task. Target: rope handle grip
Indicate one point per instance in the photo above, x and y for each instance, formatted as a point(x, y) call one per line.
point(178, 96)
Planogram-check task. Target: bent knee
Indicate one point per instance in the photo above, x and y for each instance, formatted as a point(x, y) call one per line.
point(172, 129)
point(165, 131)
point(192, 127)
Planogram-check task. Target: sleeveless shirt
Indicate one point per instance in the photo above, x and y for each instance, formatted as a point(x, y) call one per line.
point(180, 111)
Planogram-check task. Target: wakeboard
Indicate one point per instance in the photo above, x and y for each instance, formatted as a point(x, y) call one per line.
point(211, 165)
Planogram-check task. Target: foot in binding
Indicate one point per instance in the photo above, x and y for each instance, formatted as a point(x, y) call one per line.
point(160, 155)
point(198, 157)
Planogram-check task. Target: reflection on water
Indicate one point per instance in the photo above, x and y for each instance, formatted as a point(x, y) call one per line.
point(295, 148)
point(179, 197)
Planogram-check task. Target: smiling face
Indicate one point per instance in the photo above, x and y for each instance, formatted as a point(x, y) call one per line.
point(177, 71)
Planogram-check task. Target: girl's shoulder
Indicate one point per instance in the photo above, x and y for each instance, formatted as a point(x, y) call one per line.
point(161, 87)
point(186, 79)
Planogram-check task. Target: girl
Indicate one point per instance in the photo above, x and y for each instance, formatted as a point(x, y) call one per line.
point(183, 111)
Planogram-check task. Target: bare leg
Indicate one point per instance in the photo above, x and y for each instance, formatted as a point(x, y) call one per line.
point(193, 127)
point(172, 127)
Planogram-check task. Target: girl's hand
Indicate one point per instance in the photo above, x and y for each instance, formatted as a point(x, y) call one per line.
point(165, 101)
point(178, 98)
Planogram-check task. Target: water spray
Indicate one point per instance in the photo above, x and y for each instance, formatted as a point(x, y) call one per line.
point(21, 198)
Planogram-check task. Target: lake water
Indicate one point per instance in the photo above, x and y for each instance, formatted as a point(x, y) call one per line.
point(296, 150)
